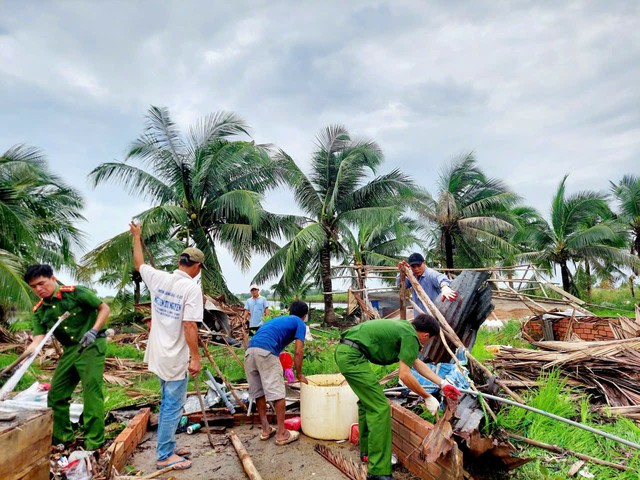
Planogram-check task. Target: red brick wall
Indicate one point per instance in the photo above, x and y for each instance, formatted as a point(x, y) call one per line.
point(409, 430)
point(587, 328)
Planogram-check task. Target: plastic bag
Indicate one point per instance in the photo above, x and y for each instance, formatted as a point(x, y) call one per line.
point(78, 469)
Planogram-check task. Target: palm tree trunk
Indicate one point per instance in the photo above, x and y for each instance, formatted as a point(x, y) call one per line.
point(566, 277)
point(136, 292)
point(637, 247)
point(325, 268)
point(587, 270)
point(448, 249)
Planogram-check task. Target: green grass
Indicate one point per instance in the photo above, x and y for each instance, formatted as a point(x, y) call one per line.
point(317, 298)
point(124, 351)
point(116, 396)
point(34, 372)
point(554, 397)
point(509, 335)
point(613, 302)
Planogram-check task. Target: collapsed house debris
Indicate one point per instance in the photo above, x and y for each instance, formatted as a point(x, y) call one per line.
point(429, 450)
point(576, 326)
point(608, 370)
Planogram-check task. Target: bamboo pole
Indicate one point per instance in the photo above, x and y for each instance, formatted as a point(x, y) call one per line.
point(230, 348)
point(196, 383)
point(247, 463)
point(565, 451)
point(224, 379)
point(451, 334)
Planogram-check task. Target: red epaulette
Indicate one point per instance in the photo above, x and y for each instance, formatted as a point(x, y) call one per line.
point(65, 289)
point(36, 306)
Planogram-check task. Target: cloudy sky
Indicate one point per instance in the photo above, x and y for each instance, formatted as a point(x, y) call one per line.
point(535, 89)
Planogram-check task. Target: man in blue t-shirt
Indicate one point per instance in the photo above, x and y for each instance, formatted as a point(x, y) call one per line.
point(264, 372)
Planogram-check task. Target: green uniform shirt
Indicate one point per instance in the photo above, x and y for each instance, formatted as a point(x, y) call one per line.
point(79, 301)
point(386, 341)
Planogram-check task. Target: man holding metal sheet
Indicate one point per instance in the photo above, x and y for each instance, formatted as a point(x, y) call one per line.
point(432, 282)
point(172, 349)
point(82, 336)
point(385, 342)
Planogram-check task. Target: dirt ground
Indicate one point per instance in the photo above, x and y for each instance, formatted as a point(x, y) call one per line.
point(291, 462)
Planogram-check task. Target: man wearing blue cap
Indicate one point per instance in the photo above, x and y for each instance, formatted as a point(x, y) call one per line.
point(433, 283)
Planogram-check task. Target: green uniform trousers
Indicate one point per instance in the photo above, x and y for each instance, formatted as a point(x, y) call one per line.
point(374, 413)
point(75, 366)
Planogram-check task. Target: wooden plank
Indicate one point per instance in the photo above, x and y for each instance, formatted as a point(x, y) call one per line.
point(565, 294)
point(25, 444)
point(128, 440)
point(38, 470)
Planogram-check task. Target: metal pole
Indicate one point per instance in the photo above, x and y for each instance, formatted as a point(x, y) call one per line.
point(555, 417)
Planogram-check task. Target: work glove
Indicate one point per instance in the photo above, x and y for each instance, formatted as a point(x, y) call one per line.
point(402, 264)
point(432, 404)
point(448, 293)
point(449, 390)
point(88, 338)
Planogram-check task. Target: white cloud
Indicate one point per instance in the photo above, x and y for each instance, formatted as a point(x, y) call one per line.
point(536, 89)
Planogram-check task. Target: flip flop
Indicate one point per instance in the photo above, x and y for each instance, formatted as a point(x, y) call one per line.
point(183, 452)
point(182, 464)
point(293, 436)
point(272, 432)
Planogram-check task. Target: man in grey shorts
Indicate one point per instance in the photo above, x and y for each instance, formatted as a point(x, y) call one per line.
point(264, 372)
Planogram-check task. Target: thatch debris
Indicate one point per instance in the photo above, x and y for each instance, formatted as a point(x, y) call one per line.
point(609, 370)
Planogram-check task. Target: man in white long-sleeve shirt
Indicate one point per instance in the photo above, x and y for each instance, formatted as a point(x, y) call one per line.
point(433, 283)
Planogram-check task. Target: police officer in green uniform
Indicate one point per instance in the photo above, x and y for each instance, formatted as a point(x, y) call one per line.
point(82, 337)
point(384, 342)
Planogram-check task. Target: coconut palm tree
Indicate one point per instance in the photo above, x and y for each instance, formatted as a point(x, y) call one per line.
point(38, 216)
point(206, 189)
point(471, 214)
point(337, 193)
point(627, 192)
point(581, 229)
point(523, 218)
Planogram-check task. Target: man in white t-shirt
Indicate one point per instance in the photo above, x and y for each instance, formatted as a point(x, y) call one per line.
point(255, 308)
point(172, 349)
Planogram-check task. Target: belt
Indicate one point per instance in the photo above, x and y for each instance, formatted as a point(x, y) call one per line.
point(352, 345)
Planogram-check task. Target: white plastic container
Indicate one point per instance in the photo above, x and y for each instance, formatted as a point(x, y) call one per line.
point(328, 407)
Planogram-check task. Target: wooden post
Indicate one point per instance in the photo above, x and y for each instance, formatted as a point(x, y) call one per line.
point(247, 464)
point(403, 295)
